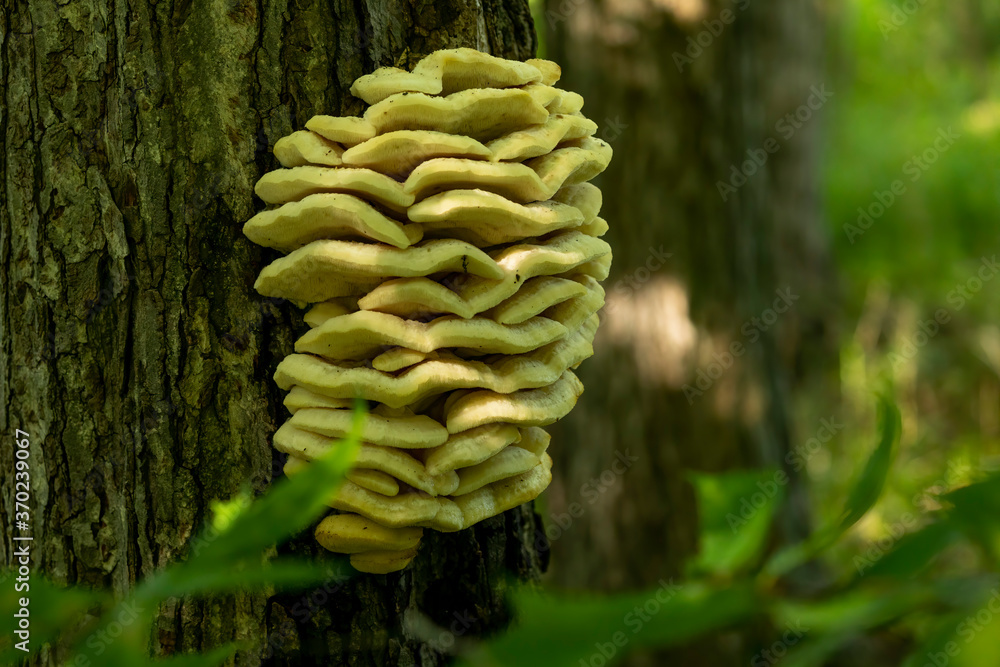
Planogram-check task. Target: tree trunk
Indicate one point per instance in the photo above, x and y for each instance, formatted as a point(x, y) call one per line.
point(666, 392)
point(134, 349)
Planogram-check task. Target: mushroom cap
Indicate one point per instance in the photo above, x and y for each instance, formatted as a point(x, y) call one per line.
point(555, 100)
point(584, 197)
point(305, 147)
point(535, 440)
point(504, 374)
point(551, 72)
point(511, 461)
point(300, 397)
point(512, 180)
point(346, 130)
point(364, 334)
point(350, 533)
point(535, 407)
point(464, 68)
point(540, 139)
point(597, 269)
point(485, 218)
point(398, 153)
point(326, 269)
point(386, 81)
point(535, 296)
point(574, 313)
point(483, 114)
point(324, 310)
point(382, 562)
point(398, 463)
point(498, 497)
point(448, 519)
point(596, 227)
point(327, 216)
point(288, 185)
point(373, 480)
point(576, 162)
point(401, 511)
point(560, 254)
point(447, 71)
point(402, 431)
point(397, 358)
point(470, 447)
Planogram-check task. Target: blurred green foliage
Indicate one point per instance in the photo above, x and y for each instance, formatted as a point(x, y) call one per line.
point(908, 589)
point(919, 285)
point(902, 77)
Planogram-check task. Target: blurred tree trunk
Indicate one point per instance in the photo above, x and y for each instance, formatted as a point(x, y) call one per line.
point(133, 348)
point(682, 91)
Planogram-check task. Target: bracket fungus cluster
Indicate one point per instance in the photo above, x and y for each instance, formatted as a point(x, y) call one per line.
point(448, 245)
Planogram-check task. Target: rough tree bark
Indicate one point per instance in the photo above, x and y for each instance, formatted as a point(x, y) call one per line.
point(682, 91)
point(132, 345)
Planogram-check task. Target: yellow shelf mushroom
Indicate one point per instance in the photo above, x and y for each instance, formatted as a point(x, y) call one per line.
point(504, 374)
point(482, 114)
point(540, 139)
point(449, 71)
point(467, 296)
point(471, 447)
point(447, 246)
point(486, 218)
point(363, 334)
point(288, 185)
point(398, 153)
point(305, 147)
point(327, 216)
point(347, 131)
point(325, 269)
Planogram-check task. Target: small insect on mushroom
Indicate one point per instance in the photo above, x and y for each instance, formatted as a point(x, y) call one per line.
point(448, 243)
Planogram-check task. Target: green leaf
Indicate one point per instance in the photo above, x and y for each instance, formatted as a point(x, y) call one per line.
point(862, 497)
point(282, 573)
point(553, 631)
point(830, 624)
point(225, 511)
point(735, 513)
point(969, 636)
point(981, 643)
point(976, 509)
point(915, 551)
point(942, 631)
point(788, 558)
point(869, 486)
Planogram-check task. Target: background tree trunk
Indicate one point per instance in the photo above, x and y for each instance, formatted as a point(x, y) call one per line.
point(678, 121)
point(134, 349)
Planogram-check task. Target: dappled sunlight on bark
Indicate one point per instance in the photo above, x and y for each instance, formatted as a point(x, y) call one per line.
point(654, 321)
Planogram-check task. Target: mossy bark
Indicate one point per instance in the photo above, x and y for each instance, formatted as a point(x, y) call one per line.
point(133, 348)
